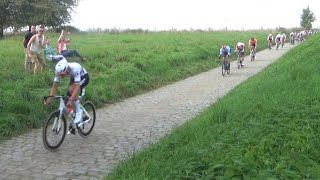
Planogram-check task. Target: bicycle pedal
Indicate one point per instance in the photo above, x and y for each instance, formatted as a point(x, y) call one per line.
point(72, 131)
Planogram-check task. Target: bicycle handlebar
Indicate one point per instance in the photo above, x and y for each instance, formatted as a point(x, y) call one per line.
point(56, 97)
point(59, 96)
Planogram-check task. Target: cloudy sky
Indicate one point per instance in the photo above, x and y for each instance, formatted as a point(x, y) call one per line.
point(196, 14)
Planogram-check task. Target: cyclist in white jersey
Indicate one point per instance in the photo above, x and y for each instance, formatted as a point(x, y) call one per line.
point(278, 38)
point(270, 39)
point(79, 78)
point(240, 48)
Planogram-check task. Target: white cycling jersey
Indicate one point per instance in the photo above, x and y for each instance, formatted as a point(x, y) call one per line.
point(278, 37)
point(76, 72)
point(291, 34)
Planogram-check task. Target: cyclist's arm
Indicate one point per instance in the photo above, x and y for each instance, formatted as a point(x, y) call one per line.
point(52, 93)
point(30, 42)
point(54, 89)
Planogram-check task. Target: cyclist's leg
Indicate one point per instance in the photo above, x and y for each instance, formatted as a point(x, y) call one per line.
point(227, 57)
point(83, 83)
point(242, 56)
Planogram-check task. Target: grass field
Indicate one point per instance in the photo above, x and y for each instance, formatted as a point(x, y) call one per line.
point(266, 128)
point(120, 66)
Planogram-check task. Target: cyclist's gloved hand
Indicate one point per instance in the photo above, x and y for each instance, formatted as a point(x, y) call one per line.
point(47, 102)
point(70, 103)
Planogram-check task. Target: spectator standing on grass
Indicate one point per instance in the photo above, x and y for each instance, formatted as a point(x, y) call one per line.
point(34, 48)
point(27, 61)
point(63, 44)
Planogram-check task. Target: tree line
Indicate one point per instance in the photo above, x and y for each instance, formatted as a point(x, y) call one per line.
point(21, 13)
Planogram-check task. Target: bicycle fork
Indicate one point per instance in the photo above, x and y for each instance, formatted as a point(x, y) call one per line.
point(56, 127)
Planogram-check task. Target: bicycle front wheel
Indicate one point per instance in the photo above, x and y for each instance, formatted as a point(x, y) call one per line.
point(239, 63)
point(54, 131)
point(88, 119)
point(223, 69)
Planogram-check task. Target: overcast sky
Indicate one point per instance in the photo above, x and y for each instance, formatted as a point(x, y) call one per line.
point(196, 14)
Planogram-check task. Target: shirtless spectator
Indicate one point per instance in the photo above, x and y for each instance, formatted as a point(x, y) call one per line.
point(27, 60)
point(34, 48)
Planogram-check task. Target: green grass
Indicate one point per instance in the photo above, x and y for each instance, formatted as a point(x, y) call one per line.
point(120, 66)
point(266, 128)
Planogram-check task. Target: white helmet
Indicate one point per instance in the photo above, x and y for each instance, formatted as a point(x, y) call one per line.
point(61, 66)
point(270, 34)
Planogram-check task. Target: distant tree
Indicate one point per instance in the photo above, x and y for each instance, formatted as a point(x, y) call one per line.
point(21, 13)
point(307, 18)
point(4, 15)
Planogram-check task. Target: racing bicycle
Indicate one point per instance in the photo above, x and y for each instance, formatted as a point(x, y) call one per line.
point(239, 60)
point(278, 43)
point(55, 127)
point(252, 54)
point(225, 66)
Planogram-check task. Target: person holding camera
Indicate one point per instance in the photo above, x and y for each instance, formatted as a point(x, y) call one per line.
point(63, 44)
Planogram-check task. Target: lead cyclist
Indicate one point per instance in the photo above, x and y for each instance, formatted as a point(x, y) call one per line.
point(79, 78)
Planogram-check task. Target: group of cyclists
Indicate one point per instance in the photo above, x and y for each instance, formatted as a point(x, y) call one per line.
point(279, 40)
point(298, 36)
point(225, 51)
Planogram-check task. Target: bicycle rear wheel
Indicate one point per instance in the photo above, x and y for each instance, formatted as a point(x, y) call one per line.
point(54, 131)
point(228, 68)
point(88, 119)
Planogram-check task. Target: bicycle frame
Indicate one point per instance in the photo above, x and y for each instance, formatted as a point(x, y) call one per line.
point(251, 51)
point(225, 66)
point(55, 127)
point(63, 111)
point(239, 59)
point(62, 107)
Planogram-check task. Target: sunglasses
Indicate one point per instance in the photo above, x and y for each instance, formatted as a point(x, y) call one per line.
point(40, 30)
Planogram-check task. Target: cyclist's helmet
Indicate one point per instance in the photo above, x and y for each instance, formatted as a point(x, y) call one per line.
point(61, 66)
point(270, 34)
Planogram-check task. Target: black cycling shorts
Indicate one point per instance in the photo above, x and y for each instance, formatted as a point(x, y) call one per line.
point(83, 83)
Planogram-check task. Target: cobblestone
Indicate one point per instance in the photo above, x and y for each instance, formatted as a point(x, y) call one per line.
point(125, 127)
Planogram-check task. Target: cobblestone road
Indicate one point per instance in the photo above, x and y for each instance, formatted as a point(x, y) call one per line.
point(124, 127)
